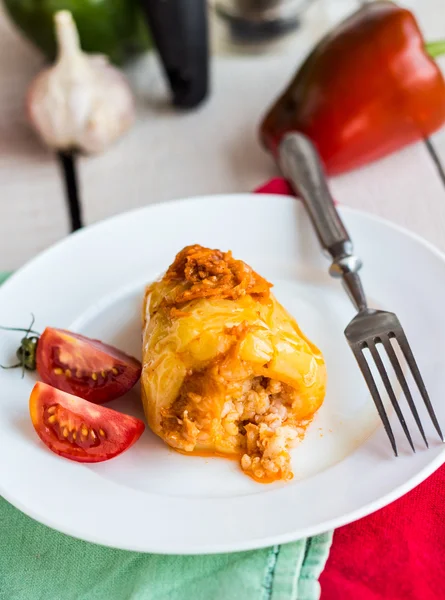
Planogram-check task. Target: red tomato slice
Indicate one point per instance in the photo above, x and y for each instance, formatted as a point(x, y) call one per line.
point(84, 367)
point(79, 430)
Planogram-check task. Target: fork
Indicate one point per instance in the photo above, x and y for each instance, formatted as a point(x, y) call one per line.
point(302, 167)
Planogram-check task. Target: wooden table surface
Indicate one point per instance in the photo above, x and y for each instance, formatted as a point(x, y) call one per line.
point(214, 149)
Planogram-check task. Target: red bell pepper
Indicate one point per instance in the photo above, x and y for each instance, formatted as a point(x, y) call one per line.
point(367, 89)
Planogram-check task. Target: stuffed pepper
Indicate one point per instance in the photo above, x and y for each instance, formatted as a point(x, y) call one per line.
point(226, 369)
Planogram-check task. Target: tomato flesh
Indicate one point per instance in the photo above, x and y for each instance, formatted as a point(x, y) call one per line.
point(78, 430)
point(84, 367)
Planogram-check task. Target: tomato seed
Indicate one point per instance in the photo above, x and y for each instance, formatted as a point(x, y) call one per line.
point(94, 376)
point(58, 371)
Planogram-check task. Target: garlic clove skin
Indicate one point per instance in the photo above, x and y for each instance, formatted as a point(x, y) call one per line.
point(81, 102)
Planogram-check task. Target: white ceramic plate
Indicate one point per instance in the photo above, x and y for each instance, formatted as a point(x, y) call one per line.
point(153, 499)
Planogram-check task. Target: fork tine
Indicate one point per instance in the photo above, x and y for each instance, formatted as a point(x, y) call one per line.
point(409, 356)
point(403, 384)
point(364, 367)
point(384, 375)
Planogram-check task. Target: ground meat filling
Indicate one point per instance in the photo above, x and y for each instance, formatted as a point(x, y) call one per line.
point(254, 421)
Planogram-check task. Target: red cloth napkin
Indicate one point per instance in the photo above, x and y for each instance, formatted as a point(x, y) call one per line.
point(398, 553)
point(275, 186)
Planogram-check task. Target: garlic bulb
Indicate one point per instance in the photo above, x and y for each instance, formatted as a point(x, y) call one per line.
point(81, 102)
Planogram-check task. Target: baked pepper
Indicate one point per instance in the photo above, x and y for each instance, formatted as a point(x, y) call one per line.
point(368, 88)
point(112, 27)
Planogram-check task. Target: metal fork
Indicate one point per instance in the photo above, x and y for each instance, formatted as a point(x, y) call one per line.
point(301, 165)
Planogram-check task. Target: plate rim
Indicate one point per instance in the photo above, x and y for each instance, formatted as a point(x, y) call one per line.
point(343, 208)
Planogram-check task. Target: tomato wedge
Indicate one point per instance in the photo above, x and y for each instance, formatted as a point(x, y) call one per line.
point(84, 367)
point(79, 430)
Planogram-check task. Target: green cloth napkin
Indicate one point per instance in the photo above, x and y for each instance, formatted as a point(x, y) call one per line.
point(3, 277)
point(38, 563)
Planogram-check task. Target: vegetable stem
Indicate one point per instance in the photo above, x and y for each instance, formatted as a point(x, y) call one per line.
point(67, 36)
point(435, 49)
point(19, 329)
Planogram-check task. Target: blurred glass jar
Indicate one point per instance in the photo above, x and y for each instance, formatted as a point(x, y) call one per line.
point(259, 20)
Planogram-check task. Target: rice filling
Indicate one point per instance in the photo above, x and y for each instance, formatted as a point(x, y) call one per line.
point(254, 420)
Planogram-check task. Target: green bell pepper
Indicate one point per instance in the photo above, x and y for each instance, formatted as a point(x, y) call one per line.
point(112, 27)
